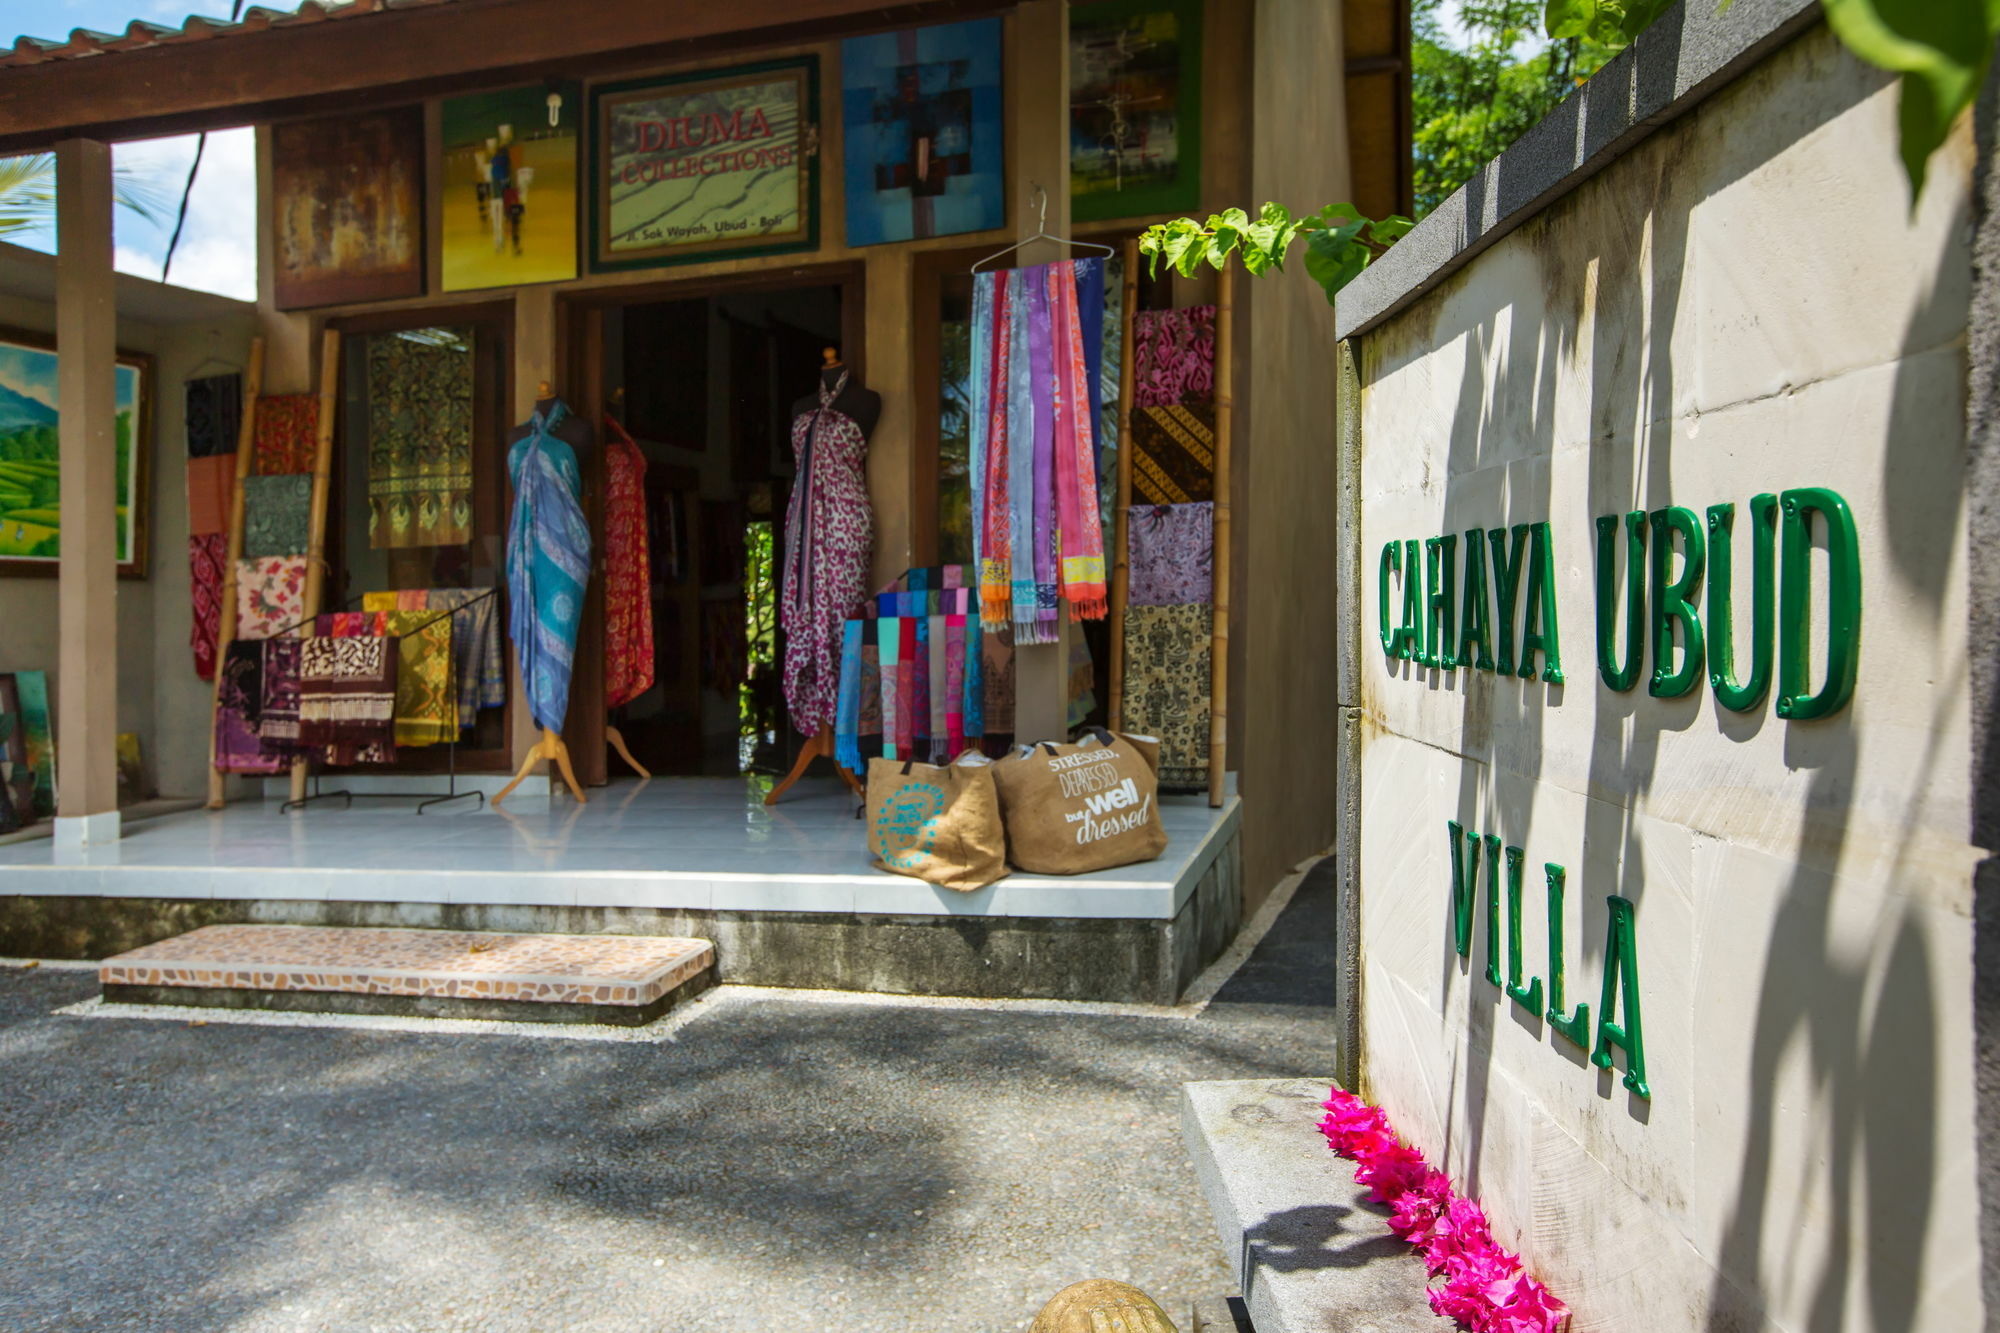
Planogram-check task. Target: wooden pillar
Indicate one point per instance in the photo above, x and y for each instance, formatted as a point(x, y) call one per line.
point(86, 346)
point(1040, 150)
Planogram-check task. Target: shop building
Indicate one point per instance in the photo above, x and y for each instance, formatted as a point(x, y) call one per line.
point(526, 200)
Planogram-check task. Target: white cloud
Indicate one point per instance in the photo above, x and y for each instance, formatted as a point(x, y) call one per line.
point(218, 246)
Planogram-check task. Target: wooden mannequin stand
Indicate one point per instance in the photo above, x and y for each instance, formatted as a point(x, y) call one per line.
point(822, 744)
point(551, 748)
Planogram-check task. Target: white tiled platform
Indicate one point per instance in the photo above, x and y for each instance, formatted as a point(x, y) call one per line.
point(698, 843)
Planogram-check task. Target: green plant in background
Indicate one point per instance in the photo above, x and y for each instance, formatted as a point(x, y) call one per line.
point(1941, 48)
point(28, 195)
point(1340, 242)
point(760, 614)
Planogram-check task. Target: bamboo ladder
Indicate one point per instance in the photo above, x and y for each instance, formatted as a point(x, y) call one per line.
point(225, 631)
point(1121, 571)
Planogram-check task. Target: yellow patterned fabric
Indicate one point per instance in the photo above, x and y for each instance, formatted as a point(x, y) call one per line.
point(419, 442)
point(426, 694)
point(1166, 686)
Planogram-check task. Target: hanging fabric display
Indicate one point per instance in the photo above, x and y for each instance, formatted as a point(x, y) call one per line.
point(1173, 454)
point(548, 564)
point(1167, 676)
point(238, 706)
point(278, 718)
point(419, 442)
point(347, 691)
point(285, 436)
point(1037, 347)
point(270, 595)
point(213, 415)
point(628, 598)
point(829, 539)
point(1173, 356)
point(1170, 554)
point(206, 557)
point(210, 483)
point(277, 515)
point(213, 419)
point(475, 648)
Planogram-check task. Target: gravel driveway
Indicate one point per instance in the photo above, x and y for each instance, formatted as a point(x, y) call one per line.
point(808, 1163)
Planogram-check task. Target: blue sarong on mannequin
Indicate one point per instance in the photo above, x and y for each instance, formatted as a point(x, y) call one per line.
point(548, 564)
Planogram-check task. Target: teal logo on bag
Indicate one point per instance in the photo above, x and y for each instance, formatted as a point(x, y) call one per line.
point(906, 828)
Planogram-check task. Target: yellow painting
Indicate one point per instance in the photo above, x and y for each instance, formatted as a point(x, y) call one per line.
point(509, 187)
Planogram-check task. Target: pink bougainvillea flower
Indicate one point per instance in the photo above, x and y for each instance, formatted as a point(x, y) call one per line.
point(1417, 1210)
point(1523, 1305)
point(1391, 1171)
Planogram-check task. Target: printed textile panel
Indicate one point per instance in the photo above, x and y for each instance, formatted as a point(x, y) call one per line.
point(209, 483)
point(286, 435)
point(277, 515)
point(1174, 356)
point(270, 595)
point(1173, 454)
point(1171, 554)
point(426, 693)
point(1167, 687)
point(206, 556)
point(419, 442)
point(213, 415)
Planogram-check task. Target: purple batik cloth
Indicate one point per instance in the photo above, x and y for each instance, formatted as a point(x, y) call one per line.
point(1172, 561)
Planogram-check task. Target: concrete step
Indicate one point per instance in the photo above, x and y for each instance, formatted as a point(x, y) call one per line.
point(1310, 1252)
point(621, 979)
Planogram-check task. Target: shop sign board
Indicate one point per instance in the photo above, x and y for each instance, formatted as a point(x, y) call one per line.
point(721, 163)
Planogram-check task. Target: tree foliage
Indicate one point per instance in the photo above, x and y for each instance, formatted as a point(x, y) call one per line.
point(28, 195)
point(1340, 242)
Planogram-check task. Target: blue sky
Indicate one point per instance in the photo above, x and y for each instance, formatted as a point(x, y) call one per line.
point(218, 251)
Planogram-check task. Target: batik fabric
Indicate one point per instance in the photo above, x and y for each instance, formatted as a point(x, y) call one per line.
point(1171, 554)
point(285, 438)
point(206, 557)
point(238, 705)
point(1173, 358)
point(270, 595)
point(213, 415)
point(277, 515)
point(1173, 454)
point(628, 593)
point(426, 702)
point(419, 443)
point(829, 541)
point(210, 485)
point(347, 692)
point(548, 564)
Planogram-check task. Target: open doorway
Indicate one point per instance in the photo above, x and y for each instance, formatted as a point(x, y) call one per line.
point(708, 387)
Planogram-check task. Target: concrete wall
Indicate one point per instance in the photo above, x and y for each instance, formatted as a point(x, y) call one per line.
point(1741, 302)
point(159, 695)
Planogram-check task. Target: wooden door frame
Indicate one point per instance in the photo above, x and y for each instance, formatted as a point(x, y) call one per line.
point(580, 351)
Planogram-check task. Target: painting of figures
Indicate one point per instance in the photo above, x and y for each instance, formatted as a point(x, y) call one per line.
point(348, 196)
point(30, 473)
point(509, 186)
point(921, 112)
point(1135, 109)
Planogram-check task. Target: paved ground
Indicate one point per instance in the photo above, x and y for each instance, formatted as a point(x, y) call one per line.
point(780, 1164)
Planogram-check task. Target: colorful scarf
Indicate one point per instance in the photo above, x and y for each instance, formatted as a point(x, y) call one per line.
point(238, 702)
point(996, 547)
point(548, 564)
point(426, 708)
point(1028, 434)
point(347, 690)
point(206, 556)
point(628, 594)
point(270, 595)
point(1080, 534)
point(286, 437)
point(1173, 356)
point(1171, 554)
point(475, 648)
point(278, 718)
point(277, 514)
point(847, 713)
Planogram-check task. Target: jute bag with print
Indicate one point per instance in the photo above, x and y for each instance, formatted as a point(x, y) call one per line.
point(938, 824)
point(1088, 806)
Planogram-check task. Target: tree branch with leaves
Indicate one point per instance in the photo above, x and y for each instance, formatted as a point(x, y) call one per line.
point(1340, 241)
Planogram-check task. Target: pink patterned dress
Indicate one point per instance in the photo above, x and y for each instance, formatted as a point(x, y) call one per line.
point(829, 540)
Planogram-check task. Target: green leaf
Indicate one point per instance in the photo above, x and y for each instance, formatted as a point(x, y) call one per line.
point(1224, 239)
point(1390, 228)
point(1334, 259)
point(1940, 47)
point(1569, 18)
point(1182, 247)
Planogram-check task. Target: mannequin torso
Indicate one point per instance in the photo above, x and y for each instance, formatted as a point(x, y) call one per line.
point(861, 406)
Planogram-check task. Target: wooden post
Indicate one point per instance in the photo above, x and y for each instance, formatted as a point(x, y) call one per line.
point(1121, 571)
point(1225, 407)
point(225, 629)
point(87, 593)
point(329, 402)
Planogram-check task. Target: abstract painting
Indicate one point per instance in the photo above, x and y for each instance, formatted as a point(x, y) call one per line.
point(508, 182)
point(348, 192)
point(921, 116)
point(1135, 108)
point(30, 466)
point(725, 162)
point(33, 690)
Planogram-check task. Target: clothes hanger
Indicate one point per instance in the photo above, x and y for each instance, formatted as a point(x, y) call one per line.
point(1043, 234)
point(229, 367)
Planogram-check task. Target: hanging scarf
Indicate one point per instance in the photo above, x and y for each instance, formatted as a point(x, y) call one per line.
point(238, 703)
point(1079, 530)
point(426, 703)
point(1028, 425)
point(548, 564)
point(847, 717)
point(978, 414)
point(628, 595)
point(996, 551)
point(278, 719)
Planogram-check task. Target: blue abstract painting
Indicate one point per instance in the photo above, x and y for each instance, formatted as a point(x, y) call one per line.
point(921, 113)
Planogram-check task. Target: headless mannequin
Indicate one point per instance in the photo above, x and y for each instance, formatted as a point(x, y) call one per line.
point(578, 434)
point(864, 408)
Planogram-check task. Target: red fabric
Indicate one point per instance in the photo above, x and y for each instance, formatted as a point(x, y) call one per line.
point(286, 437)
point(211, 482)
point(628, 595)
point(206, 555)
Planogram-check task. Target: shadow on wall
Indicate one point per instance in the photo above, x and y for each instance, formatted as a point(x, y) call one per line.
point(1865, 1029)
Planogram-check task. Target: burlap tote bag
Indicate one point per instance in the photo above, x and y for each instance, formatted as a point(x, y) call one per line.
point(1075, 808)
point(938, 824)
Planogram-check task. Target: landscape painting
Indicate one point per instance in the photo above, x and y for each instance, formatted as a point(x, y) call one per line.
point(30, 474)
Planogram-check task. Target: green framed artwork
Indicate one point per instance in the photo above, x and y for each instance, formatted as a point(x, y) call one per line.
point(719, 164)
point(507, 181)
point(30, 470)
point(1135, 108)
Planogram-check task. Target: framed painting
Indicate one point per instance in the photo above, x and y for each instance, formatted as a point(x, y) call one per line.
point(507, 187)
point(348, 198)
point(30, 470)
point(38, 736)
point(718, 164)
point(1135, 108)
point(921, 116)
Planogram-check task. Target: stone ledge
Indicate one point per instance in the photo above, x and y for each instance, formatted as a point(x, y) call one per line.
point(1691, 52)
point(1310, 1253)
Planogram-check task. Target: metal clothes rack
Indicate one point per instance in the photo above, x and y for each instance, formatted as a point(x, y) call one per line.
point(451, 792)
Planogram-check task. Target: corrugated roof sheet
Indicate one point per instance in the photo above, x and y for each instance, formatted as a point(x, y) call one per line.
point(140, 35)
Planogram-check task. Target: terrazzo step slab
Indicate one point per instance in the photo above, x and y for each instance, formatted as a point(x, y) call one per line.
point(617, 979)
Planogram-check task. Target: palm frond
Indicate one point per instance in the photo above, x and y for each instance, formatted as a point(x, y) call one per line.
point(28, 194)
